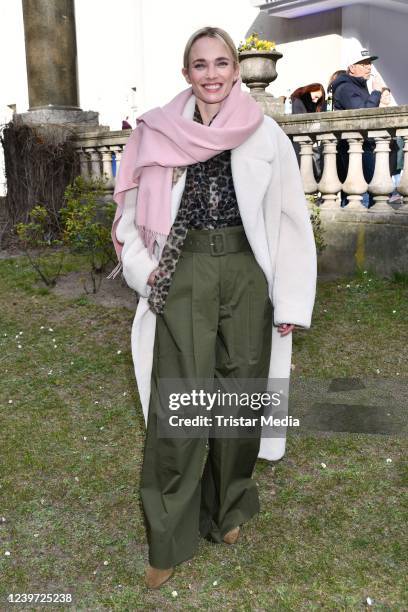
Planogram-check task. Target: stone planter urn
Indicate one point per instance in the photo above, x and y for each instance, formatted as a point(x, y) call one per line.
point(258, 70)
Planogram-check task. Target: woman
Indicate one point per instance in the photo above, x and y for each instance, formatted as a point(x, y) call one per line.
point(213, 233)
point(309, 99)
point(333, 77)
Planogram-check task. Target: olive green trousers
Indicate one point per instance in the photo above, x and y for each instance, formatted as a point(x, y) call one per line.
point(217, 322)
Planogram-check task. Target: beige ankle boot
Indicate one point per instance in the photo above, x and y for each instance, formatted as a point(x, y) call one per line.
point(231, 536)
point(154, 577)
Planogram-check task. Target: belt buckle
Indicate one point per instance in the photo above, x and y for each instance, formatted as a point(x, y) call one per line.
point(217, 244)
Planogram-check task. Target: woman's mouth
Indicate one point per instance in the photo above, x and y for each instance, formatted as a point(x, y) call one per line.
point(213, 87)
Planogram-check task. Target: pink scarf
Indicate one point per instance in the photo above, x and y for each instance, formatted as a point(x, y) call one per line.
point(164, 139)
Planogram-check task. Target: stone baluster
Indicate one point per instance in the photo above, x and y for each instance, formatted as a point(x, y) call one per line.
point(84, 163)
point(306, 163)
point(329, 184)
point(354, 185)
point(381, 185)
point(95, 154)
point(107, 167)
point(117, 149)
point(403, 185)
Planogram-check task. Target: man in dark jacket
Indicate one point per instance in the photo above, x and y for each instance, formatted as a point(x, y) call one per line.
point(350, 91)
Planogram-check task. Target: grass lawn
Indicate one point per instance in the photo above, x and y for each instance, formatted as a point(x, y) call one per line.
point(71, 436)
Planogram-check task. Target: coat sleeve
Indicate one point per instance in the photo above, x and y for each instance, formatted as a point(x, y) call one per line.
point(136, 261)
point(298, 107)
point(294, 286)
point(350, 98)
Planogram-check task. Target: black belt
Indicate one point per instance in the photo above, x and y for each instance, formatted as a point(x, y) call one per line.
point(217, 242)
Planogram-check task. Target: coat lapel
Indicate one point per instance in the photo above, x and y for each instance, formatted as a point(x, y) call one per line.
point(251, 172)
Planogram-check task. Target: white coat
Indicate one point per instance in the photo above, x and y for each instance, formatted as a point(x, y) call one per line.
point(274, 214)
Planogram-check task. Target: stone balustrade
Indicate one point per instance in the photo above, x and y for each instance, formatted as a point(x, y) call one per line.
point(381, 126)
point(100, 155)
point(372, 238)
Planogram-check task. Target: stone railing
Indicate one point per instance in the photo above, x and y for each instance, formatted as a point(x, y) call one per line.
point(101, 152)
point(356, 238)
point(353, 126)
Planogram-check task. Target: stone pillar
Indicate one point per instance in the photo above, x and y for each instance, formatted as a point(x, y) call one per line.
point(306, 163)
point(107, 168)
point(354, 185)
point(329, 184)
point(95, 156)
point(381, 185)
point(403, 186)
point(51, 54)
point(84, 163)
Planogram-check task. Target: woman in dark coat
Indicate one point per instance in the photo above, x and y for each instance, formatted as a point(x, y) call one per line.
point(310, 99)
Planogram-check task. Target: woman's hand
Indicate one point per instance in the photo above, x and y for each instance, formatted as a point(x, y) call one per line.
point(152, 276)
point(285, 328)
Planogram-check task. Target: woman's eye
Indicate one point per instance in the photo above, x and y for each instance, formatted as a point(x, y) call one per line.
point(219, 64)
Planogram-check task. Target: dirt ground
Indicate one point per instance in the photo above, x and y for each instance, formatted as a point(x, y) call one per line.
point(112, 293)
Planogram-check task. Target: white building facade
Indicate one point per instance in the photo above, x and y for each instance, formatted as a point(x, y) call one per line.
point(317, 37)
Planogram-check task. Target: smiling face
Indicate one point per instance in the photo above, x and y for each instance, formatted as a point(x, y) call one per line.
point(211, 70)
point(361, 69)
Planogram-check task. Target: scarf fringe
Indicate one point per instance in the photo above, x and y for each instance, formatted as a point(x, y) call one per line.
point(150, 238)
point(115, 271)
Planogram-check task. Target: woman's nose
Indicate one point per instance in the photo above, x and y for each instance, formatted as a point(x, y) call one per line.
point(211, 70)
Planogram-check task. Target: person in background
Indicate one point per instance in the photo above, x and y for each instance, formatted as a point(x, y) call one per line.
point(386, 98)
point(350, 91)
point(125, 124)
point(329, 102)
point(333, 77)
point(310, 99)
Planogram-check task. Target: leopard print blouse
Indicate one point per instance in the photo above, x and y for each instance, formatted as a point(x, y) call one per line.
point(208, 202)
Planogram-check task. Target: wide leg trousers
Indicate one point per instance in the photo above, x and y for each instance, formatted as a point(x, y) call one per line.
point(217, 322)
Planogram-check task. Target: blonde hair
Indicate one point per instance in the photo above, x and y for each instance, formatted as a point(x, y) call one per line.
point(211, 32)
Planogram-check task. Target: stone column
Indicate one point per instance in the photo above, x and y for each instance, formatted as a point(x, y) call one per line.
point(51, 54)
point(329, 184)
point(403, 186)
point(381, 185)
point(95, 156)
point(107, 167)
point(306, 163)
point(354, 185)
point(84, 163)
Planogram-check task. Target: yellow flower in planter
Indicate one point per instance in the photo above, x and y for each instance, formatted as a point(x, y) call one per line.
point(253, 42)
